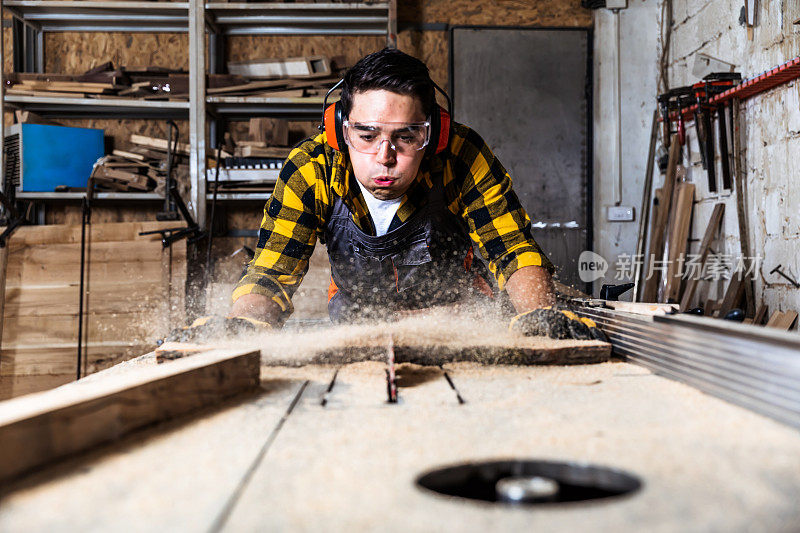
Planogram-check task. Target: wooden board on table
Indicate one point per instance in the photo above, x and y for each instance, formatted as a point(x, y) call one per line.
point(429, 338)
point(39, 428)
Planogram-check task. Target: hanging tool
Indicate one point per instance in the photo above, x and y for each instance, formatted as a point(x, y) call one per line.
point(169, 212)
point(704, 92)
point(777, 270)
point(173, 200)
point(391, 377)
point(86, 220)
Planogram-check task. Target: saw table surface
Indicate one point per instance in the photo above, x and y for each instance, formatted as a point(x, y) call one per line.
point(351, 465)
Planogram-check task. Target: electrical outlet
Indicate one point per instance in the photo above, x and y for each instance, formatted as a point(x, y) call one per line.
point(620, 213)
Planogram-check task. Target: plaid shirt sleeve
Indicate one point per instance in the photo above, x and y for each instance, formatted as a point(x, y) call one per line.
point(288, 230)
point(497, 221)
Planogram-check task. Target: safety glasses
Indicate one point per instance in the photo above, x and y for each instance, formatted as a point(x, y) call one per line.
point(403, 138)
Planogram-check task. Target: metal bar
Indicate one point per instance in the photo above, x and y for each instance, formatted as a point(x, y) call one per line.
point(644, 212)
point(275, 30)
point(197, 110)
point(39, 51)
point(391, 25)
point(754, 367)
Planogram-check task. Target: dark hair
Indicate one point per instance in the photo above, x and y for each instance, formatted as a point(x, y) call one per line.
point(391, 70)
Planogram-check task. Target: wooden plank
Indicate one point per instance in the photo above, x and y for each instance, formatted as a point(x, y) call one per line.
point(281, 67)
point(20, 273)
point(761, 313)
point(733, 294)
point(656, 249)
point(159, 144)
point(253, 151)
point(103, 298)
point(65, 234)
point(784, 321)
point(98, 252)
point(271, 131)
point(138, 327)
point(774, 319)
point(705, 247)
point(643, 308)
point(128, 155)
point(39, 428)
point(13, 386)
point(49, 359)
point(252, 86)
point(677, 241)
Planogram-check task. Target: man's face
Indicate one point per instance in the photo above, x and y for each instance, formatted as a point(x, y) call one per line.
point(386, 174)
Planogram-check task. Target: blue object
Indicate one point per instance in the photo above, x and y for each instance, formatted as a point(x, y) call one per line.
point(57, 155)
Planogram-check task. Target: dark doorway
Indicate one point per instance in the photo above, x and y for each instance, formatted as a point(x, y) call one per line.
point(525, 91)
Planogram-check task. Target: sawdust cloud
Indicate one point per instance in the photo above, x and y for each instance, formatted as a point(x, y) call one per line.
point(434, 336)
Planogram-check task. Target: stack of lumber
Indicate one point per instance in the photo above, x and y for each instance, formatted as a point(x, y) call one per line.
point(143, 167)
point(281, 77)
point(134, 295)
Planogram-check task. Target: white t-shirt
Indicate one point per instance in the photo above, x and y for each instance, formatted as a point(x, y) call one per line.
point(381, 211)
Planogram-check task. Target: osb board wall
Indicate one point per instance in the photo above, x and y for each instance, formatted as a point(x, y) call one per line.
point(73, 52)
point(497, 12)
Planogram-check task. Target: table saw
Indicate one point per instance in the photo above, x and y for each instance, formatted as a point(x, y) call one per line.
point(691, 426)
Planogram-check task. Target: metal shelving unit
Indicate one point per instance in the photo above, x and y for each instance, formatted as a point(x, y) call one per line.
point(32, 18)
point(76, 196)
point(53, 106)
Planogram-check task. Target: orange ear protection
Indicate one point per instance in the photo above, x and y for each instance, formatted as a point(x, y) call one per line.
point(333, 118)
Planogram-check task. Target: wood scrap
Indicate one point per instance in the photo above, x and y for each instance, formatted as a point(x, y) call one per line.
point(39, 428)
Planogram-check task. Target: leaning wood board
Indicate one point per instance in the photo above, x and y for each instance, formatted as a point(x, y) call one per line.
point(39, 428)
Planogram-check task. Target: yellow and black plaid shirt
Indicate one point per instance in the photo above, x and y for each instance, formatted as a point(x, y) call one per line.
point(476, 186)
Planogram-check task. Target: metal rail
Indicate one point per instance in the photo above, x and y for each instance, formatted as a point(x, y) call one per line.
point(754, 367)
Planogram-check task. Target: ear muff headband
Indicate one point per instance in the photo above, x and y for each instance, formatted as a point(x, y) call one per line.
point(333, 120)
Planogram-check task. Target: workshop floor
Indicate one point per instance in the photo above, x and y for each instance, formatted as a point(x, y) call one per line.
point(351, 465)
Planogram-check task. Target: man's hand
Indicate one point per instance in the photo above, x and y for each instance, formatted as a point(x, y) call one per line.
point(556, 324)
point(211, 327)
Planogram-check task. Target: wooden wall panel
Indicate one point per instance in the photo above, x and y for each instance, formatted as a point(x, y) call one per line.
point(135, 292)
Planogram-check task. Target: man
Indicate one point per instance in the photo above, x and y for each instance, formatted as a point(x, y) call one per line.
point(398, 214)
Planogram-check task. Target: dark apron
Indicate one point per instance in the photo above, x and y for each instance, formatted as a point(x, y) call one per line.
point(427, 261)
